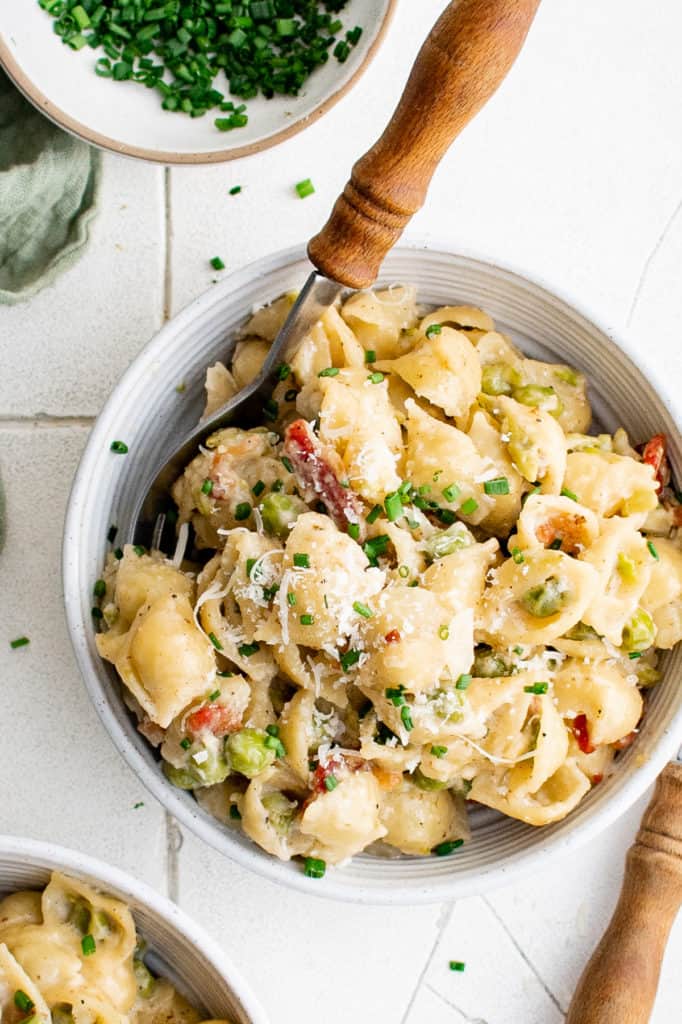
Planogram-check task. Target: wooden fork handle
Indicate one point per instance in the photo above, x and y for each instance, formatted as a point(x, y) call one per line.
point(464, 59)
point(619, 984)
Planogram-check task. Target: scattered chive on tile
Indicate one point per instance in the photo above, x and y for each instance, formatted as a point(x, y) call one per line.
point(457, 965)
point(235, 190)
point(140, 803)
point(304, 188)
point(217, 263)
point(21, 641)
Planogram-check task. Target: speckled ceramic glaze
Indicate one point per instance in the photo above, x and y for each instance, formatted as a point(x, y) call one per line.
point(148, 413)
point(178, 949)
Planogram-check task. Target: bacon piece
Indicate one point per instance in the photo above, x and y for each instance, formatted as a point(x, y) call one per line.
point(654, 455)
point(392, 637)
point(216, 718)
point(581, 734)
point(625, 741)
point(596, 779)
point(317, 477)
point(571, 529)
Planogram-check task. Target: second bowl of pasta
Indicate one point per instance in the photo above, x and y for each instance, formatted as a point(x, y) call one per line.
point(419, 625)
point(81, 941)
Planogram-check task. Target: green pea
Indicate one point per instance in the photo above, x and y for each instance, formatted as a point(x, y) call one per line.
point(424, 782)
point(522, 449)
point(647, 675)
point(499, 379)
point(639, 632)
point(247, 752)
point(581, 631)
point(80, 914)
point(546, 598)
point(279, 513)
point(489, 665)
point(195, 774)
point(539, 397)
point(281, 812)
point(62, 1013)
point(144, 979)
point(445, 542)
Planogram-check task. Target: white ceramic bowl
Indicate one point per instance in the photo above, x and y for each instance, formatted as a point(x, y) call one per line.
point(178, 949)
point(127, 118)
point(148, 414)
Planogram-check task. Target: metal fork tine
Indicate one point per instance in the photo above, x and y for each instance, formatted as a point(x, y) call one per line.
point(158, 531)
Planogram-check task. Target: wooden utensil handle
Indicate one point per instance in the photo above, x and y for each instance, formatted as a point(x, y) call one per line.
point(618, 986)
point(464, 59)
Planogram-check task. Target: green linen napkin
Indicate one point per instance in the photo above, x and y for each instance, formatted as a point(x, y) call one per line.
point(49, 183)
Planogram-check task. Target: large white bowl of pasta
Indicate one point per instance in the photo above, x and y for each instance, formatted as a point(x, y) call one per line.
point(420, 628)
point(81, 941)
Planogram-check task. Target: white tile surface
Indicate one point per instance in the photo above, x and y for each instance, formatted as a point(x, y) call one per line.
point(572, 174)
point(63, 351)
point(62, 778)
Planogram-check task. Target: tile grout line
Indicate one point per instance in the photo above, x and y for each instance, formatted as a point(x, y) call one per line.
point(444, 999)
point(445, 915)
point(44, 420)
point(649, 260)
point(529, 963)
point(167, 257)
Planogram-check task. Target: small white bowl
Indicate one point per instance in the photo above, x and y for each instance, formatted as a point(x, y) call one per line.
point(148, 414)
point(127, 118)
point(178, 949)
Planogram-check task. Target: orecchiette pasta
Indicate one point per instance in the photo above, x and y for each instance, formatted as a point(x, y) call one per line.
point(420, 582)
point(71, 955)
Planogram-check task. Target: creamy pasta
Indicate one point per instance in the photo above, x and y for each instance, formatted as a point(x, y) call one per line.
point(71, 955)
point(420, 582)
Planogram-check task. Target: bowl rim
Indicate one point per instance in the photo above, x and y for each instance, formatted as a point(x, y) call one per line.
point(332, 886)
point(165, 157)
point(51, 856)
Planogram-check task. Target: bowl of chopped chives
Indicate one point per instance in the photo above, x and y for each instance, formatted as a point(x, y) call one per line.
point(161, 398)
point(188, 81)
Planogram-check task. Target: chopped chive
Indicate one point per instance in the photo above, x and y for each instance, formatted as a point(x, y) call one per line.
point(394, 506)
point(633, 655)
point(250, 562)
point(370, 356)
point(329, 371)
point(372, 516)
point(207, 486)
point(439, 751)
point(463, 682)
point(100, 588)
point(301, 560)
point(443, 849)
point(362, 609)
point(443, 632)
point(88, 945)
point(433, 329)
point(234, 813)
point(246, 650)
point(450, 493)
point(276, 486)
point(270, 410)
point(272, 730)
point(119, 447)
point(349, 659)
point(286, 462)
point(97, 613)
point(217, 263)
point(469, 507)
point(118, 553)
point(235, 190)
point(517, 650)
point(331, 782)
point(307, 620)
point(139, 550)
point(652, 550)
point(406, 718)
point(258, 488)
point(214, 696)
point(242, 511)
point(517, 555)
point(273, 743)
point(354, 531)
point(305, 187)
point(22, 1001)
point(375, 547)
point(556, 544)
point(111, 535)
point(565, 493)
point(500, 485)
point(314, 867)
point(396, 695)
point(376, 377)
point(536, 688)
point(186, 743)
point(140, 803)
point(291, 599)
point(225, 675)
point(283, 371)
point(457, 965)
point(21, 641)
point(215, 641)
